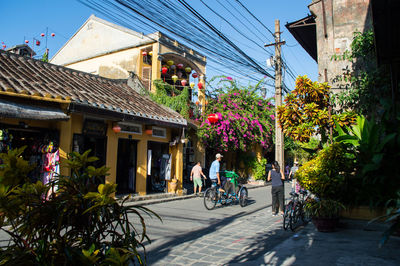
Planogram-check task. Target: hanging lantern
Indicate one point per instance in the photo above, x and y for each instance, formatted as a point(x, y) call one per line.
point(116, 128)
point(164, 70)
point(148, 132)
point(183, 82)
point(192, 85)
point(151, 53)
point(180, 66)
point(213, 118)
point(37, 42)
point(144, 53)
point(173, 67)
point(188, 69)
point(179, 74)
point(200, 85)
point(174, 78)
point(26, 41)
point(195, 75)
point(4, 46)
point(170, 62)
point(53, 34)
point(42, 34)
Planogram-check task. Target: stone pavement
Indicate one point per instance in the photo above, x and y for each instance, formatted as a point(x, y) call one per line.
point(257, 238)
point(232, 240)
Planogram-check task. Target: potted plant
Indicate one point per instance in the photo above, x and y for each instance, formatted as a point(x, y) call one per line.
point(324, 176)
point(324, 213)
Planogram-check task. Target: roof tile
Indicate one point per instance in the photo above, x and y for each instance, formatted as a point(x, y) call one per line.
point(34, 77)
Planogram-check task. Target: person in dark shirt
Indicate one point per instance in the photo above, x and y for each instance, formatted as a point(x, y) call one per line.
point(276, 177)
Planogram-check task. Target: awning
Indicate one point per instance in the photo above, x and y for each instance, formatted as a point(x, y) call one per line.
point(305, 32)
point(22, 111)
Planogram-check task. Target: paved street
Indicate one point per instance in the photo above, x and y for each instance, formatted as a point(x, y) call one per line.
point(192, 235)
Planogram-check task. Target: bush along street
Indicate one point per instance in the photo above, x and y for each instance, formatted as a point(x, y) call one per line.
point(80, 223)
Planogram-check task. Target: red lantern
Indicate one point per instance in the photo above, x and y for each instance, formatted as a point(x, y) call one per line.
point(37, 42)
point(195, 75)
point(26, 41)
point(200, 85)
point(116, 128)
point(213, 118)
point(144, 53)
point(4, 46)
point(183, 82)
point(53, 34)
point(164, 70)
point(42, 34)
point(148, 132)
point(180, 66)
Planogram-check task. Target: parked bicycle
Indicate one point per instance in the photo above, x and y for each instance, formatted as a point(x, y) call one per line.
point(213, 195)
point(294, 210)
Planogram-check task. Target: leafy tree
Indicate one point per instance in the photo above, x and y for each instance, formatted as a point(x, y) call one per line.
point(305, 111)
point(82, 224)
point(245, 119)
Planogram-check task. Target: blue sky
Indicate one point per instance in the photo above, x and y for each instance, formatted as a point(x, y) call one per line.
point(27, 19)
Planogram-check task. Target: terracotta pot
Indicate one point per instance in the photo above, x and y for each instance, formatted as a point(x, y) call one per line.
point(325, 224)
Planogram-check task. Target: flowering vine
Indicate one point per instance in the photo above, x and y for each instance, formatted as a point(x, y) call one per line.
point(245, 119)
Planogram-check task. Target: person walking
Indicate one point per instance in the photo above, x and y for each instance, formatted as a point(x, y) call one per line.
point(292, 175)
point(195, 176)
point(277, 177)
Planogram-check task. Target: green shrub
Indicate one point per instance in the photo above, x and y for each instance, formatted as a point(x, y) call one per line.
point(325, 175)
point(259, 169)
point(82, 224)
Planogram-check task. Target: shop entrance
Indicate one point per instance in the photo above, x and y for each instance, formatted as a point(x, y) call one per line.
point(157, 160)
point(126, 166)
point(41, 149)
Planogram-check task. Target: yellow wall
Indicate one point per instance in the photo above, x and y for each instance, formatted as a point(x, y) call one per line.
point(143, 139)
point(115, 65)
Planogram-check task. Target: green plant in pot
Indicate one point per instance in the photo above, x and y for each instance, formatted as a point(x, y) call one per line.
point(324, 176)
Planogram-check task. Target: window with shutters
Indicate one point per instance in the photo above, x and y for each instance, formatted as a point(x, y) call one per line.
point(146, 77)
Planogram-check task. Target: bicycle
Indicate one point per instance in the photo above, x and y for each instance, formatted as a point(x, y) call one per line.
point(294, 210)
point(213, 195)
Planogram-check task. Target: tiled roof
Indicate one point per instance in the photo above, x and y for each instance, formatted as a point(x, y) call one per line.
point(28, 76)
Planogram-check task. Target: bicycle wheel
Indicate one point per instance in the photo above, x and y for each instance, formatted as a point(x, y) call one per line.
point(210, 198)
point(243, 196)
point(295, 216)
point(286, 215)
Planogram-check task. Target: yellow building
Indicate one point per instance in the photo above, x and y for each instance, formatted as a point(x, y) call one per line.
point(54, 110)
point(109, 50)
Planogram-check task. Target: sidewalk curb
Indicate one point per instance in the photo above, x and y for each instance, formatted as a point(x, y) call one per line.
point(171, 197)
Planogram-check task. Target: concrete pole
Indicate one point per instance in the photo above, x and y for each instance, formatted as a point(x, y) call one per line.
point(279, 142)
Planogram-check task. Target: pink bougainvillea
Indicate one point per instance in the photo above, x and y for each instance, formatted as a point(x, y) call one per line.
point(245, 119)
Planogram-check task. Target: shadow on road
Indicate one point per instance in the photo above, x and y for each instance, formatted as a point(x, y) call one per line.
point(166, 248)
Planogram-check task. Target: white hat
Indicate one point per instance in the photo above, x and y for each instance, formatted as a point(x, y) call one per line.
point(218, 155)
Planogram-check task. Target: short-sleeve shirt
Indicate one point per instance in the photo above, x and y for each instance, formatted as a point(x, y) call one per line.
point(196, 171)
point(214, 169)
point(294, 169)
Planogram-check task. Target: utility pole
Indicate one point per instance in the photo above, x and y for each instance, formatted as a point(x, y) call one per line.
point(279, 142)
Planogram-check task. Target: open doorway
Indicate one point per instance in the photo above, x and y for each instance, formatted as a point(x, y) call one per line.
point(126, 166)
point(158, 155)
